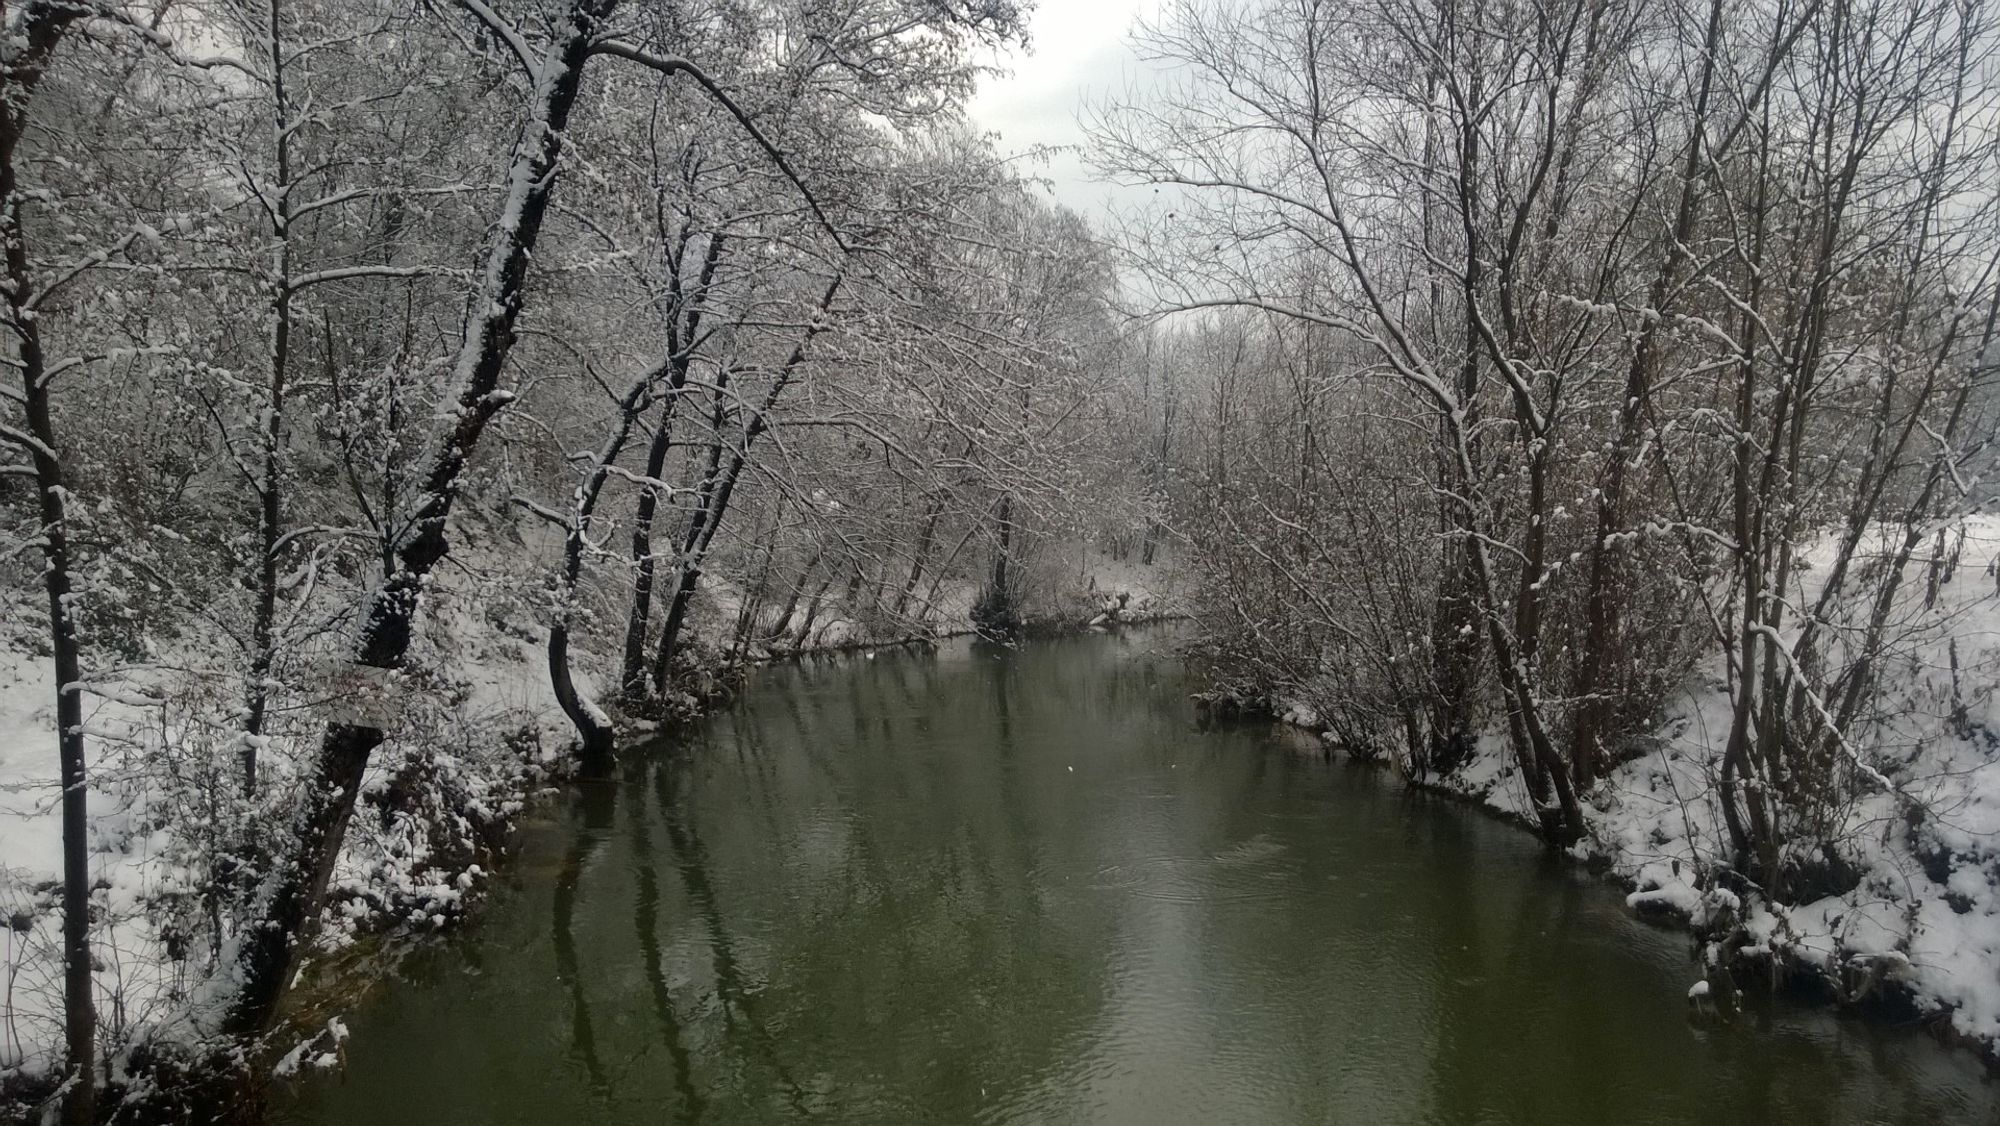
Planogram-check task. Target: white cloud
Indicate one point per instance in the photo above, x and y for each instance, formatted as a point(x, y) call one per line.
point(1080, 50)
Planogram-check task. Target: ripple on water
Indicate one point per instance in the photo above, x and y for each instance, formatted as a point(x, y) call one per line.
point(1199, 879)
point(1260, 868)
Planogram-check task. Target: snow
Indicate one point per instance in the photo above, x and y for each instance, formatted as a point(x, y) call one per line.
point(307, 1053)
point(473, 732)
point(129, 863)
point(1081, 586)
point(1926, 912)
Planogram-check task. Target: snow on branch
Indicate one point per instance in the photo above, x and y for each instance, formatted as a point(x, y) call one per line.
point(673, 64)
point(506, 34)
point(349, 273)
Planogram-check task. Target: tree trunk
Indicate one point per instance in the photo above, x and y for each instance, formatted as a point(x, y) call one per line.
point(1602, 654)
point(286, 907)
point(593, 730)
point(812, 611)
point(33, 34)
point(754, 597)
point(719, 483)
point(995, 611)
point(79, 1008)
point(632, 680)
point(270, 509)
point(687, 564)
point(798, 591)
point(921, 555)
point(1004, 523)
point(684, 317)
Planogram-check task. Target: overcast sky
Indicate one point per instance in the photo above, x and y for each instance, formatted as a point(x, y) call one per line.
point(1080, 49)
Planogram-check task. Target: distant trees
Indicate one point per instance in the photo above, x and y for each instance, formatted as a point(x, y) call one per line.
point(1543, 340)
point(800, 347)
point(554, 67)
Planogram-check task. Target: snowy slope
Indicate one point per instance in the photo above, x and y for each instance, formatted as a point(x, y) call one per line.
point(1927, 908)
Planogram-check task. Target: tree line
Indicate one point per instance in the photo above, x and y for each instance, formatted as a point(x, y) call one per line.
point(1515, 356)
point(316, 308)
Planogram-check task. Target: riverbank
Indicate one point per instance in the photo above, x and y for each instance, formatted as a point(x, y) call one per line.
point(1807, 968)
point(480, 743)
point(1914, 933)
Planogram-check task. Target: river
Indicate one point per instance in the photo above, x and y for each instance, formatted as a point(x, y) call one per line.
point(993, 886)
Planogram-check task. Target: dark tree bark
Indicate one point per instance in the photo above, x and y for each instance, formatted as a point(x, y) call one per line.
point(684, 316)
point(270, 488)
point(996, 612)
point(33, 35)
point(932, 511)
point(593, 730)
point(719, 483)
point(812, 610)
point(1603, 600)
point(798, 591)
point(754, 597)
point(286, 907)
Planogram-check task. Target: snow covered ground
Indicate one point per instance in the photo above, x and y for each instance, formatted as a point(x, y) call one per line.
point(496, 732)
point(1926, 912)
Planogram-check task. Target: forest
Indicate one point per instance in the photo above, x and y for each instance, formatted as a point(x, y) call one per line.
point(1586, 407)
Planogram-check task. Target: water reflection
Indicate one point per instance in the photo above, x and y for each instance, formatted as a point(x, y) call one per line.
point(1020, 886)
point(743, 1033)
point(687, 1105)
point(598, 801)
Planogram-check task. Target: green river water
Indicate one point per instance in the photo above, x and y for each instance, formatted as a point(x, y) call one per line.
point(994, 886)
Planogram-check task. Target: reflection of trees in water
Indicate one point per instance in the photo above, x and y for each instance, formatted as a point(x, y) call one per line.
point(935, 921)
point(1518, 988)
point(598, 799)
point(749, 747)
point(742, 1027)
point(1462, 993)
point(804, 740)
point(909, 959)
point(645, 918)
point(1013, 809)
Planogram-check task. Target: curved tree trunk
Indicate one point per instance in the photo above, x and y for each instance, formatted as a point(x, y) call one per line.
point(593, 728)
